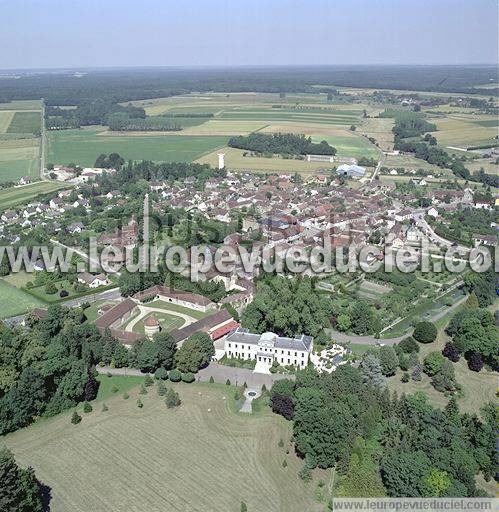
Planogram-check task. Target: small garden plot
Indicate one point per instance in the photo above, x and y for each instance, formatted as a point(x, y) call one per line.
point(372, 291)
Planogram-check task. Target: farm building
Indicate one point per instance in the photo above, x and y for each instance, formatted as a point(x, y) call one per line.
point(353, 171)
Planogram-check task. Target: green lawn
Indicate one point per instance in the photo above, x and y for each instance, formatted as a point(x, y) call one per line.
point(13, 196)
point(14, 301)
point(84, 146)
point(116, 385)
point(13, 170)
point(202, 456)
point(179, 309)
point(167, 322)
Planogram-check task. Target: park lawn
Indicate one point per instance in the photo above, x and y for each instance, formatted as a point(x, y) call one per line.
point(14, 301)
point(12, 196)
point(347, 145)
point(123, 383)
point(478, 388)
point(84, 146)
point(179, 309)
point(25, 122)
point(200, 456)
point(167, 322)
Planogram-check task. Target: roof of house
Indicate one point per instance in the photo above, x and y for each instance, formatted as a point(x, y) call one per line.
point(109, 317)
point(300, 342)
point(205, 324)
point(173, 294)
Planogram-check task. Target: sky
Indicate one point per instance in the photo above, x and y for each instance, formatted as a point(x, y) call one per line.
point(108, 33)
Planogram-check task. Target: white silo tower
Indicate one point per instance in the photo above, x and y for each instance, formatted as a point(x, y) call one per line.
point(221, 160)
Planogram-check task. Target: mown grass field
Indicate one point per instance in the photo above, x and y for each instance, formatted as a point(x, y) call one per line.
point(5, 119)
point(84, 146)
point(14, 301)
point(166, 321)
point(198, 457)
point(465, 130)
point(10, 197)
point(21, 105)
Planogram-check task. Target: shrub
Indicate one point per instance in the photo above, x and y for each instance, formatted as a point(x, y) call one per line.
point(212, 380)
point(425, 332)
point(148, 381)
point(161, 388)
point(175, 375)
point(75, 418)
point(126, 396)
point(114, 389)
point(227, 382)
point(433, 363)
point(450, 352)
point(143, 390)
point(188, 377)
point(161, 374)
point(284, 463)
point(408, 345)
point(140, 404)
point(172, 399)
point(244, 507)
point(280, 443)
point(87, 407)
point(475, 360)
point(105, 408)
point(405, 377)
point(50, 288)
point(63, 293)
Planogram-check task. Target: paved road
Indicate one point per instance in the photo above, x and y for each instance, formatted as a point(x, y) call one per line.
point(43, 144)
point(421, 221)
point(220, 374)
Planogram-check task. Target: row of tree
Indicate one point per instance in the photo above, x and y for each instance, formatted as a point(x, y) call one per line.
point(281, 144)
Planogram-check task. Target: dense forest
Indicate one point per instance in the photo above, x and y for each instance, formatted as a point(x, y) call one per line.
point(70, 88)
point(281, 144)
point(383, 444)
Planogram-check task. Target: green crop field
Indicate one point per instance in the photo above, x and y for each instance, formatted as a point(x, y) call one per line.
point(84, 146)
point(25, 122)
point(13, 196)
point(201, 456)
point(14, 301)
point(19, 157)
point(5, 120)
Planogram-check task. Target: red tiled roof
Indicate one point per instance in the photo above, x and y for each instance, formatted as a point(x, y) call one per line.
point(225, 329)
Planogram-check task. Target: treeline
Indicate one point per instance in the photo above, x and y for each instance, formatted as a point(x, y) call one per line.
point(123, 122)
point(382, 444)
point(408, 133)
point(281, 143)
point(134, 84)
point(89, 113)
point(408, 124)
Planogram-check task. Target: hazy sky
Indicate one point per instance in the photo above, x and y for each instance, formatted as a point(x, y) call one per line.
point(90, 33)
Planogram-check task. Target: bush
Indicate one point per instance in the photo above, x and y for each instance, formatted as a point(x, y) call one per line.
point(227, 382)
point(425, 332)
point(75, 418)
point(140, 404)
point(148, 381)
point(451, 352)
point(175, 375)
point(405, 377)
point(433, 363)
point(161, 374)
point(188, 377)
point(87, 407)
point(50, 288)
point(212, 380)
point(408, 345)
point(126, 396)
point(475, 360)
point(161, 388)
point(63, 293)
point(114, 389)
point(172, 399)
point(143, 390)
point(105, 408)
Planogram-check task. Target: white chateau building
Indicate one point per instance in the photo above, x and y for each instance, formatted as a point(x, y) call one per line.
point(268, 347)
